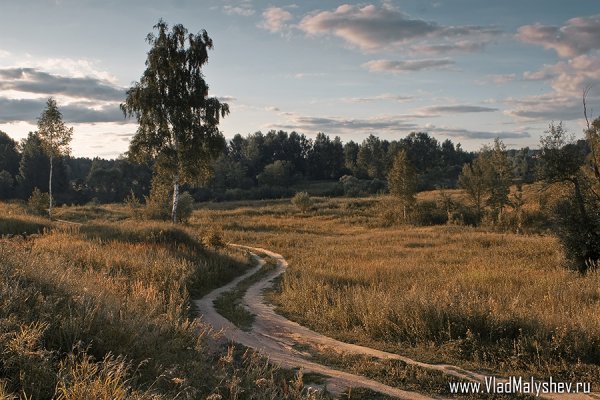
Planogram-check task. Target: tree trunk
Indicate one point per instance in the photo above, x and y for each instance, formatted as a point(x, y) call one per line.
point(50, 188)
point(175, 198)
point(175, 182)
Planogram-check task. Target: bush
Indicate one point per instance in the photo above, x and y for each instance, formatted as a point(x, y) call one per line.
point(354, 187)
point(464, 215)
point(213, 239)
point(185, 207)
point(578, 235)
point(428, 213)
point(134, 205)
point(38, 202)
point(302, 200)
point(389, 211)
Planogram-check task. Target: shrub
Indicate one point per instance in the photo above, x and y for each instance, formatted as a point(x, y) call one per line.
point(464, 215)
point(185, 207)
point(158, 202)
point(213, 239)
point(389, 210)
point(134, 205)
point(302, 200)
point(38, 202)
point(428, 213)
point(578, 235)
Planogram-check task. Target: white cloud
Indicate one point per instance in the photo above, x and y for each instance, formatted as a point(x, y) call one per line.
point(244, 9)
point(275, 19)
point(578, 36)
point(303, 75)
point(226, 99)
point(372, 28)
point(572, 76)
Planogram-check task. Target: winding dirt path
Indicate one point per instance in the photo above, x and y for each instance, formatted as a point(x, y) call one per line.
point(278, 338)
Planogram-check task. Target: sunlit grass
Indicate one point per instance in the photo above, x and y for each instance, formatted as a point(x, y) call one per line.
point(463, 295)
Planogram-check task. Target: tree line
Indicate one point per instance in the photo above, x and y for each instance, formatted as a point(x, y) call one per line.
point(273, 159)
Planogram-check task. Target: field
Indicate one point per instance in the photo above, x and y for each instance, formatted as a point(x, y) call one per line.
point(101, 306)
point(486, 300)
point(102, 311)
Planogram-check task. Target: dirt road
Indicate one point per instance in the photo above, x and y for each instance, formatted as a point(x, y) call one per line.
point(279, 338)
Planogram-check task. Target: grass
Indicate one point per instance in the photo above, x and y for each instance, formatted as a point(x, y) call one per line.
point(103, 311)
point(483, 299)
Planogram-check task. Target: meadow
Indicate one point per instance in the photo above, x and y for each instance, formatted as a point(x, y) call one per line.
point(100, 307)
point(102, 311)
point(481, 298)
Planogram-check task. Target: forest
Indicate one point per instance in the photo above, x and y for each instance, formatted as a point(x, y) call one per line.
point(256, 166)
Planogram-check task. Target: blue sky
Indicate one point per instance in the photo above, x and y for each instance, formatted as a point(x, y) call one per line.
point(468, 70)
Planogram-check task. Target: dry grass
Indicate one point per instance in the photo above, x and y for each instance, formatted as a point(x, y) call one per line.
point(470, 296)
point(103, 311)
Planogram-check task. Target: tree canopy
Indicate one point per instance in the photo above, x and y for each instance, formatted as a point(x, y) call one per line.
point(178, 122)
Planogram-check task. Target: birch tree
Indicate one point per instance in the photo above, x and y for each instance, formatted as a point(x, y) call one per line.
point(55, 138)
point(402, 182)
point(178, 122)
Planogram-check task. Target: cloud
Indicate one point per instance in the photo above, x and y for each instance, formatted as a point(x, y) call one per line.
point(32, 80)
point(383, 125)
point(75, 68)
point(457, 109)
point(29, 110)
point(226, 99)
point(464, 46)
point(275, 19)
point(569, 77)
point(338, 125)
point(244, 9)
point(372, 28)
point(397, 67)
point(469, 134)
point(546, 107)
point(577, 41)
point(303, 75)
point(497, 79)
point(381, 97)
point(578, 36)
point(272, 108)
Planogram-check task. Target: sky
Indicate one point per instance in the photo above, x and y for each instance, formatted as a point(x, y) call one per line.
point(465, 70)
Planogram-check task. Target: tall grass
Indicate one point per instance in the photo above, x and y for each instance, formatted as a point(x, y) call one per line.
point(449, 293)
point(103, 311)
